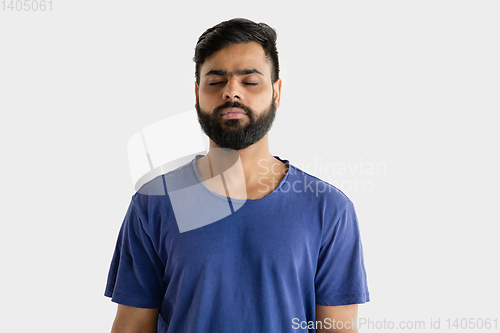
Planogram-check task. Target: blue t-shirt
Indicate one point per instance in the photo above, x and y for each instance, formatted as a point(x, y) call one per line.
point(214, 264)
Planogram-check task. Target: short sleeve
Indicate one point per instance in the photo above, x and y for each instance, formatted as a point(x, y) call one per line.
point(136, 272)
point(341, 276)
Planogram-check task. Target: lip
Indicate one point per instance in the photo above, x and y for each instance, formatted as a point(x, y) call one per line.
point(232, 110)
point(233, 113)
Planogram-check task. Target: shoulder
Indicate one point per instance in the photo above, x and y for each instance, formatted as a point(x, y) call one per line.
point(154, 195)
point(158, 185)
point(333, 207)
point(316, 189)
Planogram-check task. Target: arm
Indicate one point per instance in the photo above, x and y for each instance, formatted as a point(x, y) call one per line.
point(135, 320)
point(346, 314)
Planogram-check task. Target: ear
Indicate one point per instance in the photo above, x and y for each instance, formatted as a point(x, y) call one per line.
point(196, 89)
point(277, 92)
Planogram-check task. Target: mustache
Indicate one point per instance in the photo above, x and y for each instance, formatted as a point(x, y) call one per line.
point(231, 104)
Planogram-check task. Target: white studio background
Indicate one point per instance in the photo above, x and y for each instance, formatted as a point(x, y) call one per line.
point(393, 101)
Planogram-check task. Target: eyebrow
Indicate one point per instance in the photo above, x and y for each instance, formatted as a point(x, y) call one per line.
point(239, 72)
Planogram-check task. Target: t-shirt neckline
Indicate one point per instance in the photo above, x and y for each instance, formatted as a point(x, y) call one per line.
point(222, 197)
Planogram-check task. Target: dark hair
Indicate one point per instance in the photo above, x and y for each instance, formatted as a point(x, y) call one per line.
point(237, 30)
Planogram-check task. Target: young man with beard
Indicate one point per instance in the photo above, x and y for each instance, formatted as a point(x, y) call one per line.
point(239, 240)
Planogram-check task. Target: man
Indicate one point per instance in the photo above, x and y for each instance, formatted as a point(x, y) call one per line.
point(238, 240)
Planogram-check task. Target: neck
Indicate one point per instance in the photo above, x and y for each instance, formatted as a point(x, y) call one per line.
point(252, 157)
point(253, 169)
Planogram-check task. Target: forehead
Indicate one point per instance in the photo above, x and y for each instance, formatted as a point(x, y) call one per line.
point(236, 57)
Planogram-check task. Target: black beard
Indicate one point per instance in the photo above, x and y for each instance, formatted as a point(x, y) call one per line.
point(230, 133)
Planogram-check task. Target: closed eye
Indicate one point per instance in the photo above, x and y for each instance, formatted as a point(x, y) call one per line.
point(215, 83)
point(250, 83)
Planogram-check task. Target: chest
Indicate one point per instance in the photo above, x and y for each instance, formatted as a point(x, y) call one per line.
point(271, 238)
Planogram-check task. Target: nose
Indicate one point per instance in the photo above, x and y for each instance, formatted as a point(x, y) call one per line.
point(232, 91)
